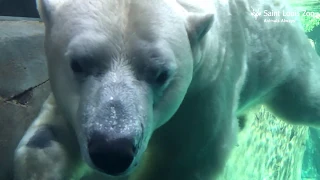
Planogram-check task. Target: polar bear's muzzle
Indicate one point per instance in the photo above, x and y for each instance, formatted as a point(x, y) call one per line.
point(114, 123)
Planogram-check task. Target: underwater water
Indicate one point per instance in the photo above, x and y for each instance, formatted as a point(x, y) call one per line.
point(268, 148)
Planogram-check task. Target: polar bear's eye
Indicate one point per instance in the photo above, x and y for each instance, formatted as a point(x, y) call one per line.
point(75, 66)
point(162, 77)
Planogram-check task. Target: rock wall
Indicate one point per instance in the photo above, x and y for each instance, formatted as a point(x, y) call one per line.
point(23, 83)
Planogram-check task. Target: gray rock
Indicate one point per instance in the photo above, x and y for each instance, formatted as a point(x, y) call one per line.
point(23, 83)
point(21, 56)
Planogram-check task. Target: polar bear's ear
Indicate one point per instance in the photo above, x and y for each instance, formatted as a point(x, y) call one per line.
point(47, 7)
point(198, 24)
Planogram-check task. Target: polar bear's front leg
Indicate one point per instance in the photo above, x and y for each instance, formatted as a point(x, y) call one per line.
point(43, 154)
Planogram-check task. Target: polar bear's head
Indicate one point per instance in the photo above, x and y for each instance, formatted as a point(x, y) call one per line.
point(119, 69)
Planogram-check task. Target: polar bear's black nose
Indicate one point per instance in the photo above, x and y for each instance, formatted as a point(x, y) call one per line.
point(111, 156)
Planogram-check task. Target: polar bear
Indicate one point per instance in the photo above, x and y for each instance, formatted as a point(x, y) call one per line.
point(150, 89)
